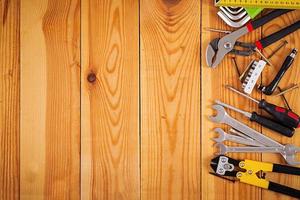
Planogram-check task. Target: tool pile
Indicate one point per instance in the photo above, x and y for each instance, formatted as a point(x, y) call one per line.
point(283, 120)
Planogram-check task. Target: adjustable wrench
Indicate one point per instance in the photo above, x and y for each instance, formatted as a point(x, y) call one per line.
point(223, 136)
point(288, 152)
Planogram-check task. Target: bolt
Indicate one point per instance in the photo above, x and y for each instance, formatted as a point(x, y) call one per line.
point(239, 174)
point(227, 45)
point(242, 164)
point(250, 172)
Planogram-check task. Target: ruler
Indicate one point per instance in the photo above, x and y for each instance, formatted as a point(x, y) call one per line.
point(277, 4)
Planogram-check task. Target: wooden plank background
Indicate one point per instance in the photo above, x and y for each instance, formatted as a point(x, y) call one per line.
point(109, 99)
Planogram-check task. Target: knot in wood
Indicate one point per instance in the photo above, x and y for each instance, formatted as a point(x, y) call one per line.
point(91, 77)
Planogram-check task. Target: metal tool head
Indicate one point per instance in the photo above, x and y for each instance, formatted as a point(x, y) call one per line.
point(218, 48)
point(290, 154)
point(222, 148)
point(221, 114)
point(221, 136)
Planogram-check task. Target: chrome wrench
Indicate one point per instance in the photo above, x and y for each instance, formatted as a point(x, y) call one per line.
point(223, 136)
point(288, 152)
point(223, 117)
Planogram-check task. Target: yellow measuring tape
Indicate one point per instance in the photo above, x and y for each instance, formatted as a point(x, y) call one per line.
point(278, 4)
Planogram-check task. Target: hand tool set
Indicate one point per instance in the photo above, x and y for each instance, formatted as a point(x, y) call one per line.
point(219, 47)
point(281, 120)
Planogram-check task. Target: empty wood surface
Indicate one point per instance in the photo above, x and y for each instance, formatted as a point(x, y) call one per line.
point(110, 93)
point(109, 99)
point(9, 99)
point(170, 99)
point(50, 99)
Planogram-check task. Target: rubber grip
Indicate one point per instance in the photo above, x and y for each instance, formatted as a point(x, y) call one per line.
point(268, 17)
point(284, 189)
point(280, 114)
point(286, 169)
point(268, 90)
point(270, 124)
point(265, 42)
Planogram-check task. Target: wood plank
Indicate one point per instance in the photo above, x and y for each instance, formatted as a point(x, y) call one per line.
point(50, 99)
point(110, 85)
point(170, 99)
point(213, 81)
point(9, 99)
point(292, 76)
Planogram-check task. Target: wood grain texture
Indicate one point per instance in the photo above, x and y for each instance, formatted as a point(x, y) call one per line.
point(213, 82)
point(292, 76)
point(50, 99)
point(110, 83)
point(9, 100)
point(170, 99)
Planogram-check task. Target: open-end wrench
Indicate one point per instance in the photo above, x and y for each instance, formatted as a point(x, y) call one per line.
point(288, 152)
point(223, 117)
point(223, 136)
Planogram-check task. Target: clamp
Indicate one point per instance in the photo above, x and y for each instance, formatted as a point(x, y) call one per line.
point(249, 172)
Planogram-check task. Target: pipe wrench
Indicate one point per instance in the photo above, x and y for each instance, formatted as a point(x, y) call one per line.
point(219, 47)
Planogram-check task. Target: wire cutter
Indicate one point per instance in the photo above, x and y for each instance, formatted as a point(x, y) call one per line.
point(219, 47)
point(249, 171)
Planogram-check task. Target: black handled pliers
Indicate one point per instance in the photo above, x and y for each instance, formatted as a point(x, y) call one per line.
point(219, 47)
point(250, 172)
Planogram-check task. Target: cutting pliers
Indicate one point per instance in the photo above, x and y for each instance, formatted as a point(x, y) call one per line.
point(249, 171)
point(219, 47)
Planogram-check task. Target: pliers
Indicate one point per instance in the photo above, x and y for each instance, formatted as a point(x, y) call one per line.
point(219, 47)
point(250, 172)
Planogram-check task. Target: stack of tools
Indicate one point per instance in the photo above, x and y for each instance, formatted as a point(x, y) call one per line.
point(280, 119)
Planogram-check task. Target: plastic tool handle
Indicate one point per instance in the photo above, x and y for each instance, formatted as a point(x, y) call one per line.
point(284, 116)
point(270, 124)
point(286, 169)
point(268, 17)
point(268, 90)
point(263, 43)
point(284, 189)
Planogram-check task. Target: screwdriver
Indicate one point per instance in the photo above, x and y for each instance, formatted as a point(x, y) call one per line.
point(266, 122)
point(282, 115)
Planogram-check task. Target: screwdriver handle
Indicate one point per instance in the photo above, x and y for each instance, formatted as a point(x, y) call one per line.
point(270, 124)
point(282, 115)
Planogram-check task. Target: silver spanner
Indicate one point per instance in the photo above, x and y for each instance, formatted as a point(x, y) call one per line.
point(223, 117)
point(288, 152)
point(223, 136)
